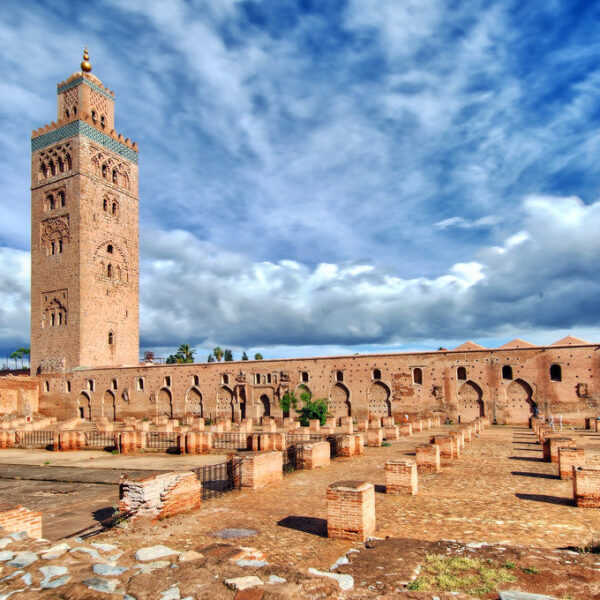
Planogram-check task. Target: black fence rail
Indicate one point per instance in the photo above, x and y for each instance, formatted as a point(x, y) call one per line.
point(220, 478)
point(158, 440)
point(335, 445)
point(293, 458)
point(230, 440)
point(298, 438)
point(43, 438)
point(102, 440)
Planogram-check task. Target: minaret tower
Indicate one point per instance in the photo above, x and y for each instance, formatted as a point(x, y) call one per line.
point(84, 234)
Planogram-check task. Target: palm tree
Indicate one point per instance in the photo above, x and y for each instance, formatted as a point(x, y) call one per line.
point(14, 355)
point(218, 353)
point(186, 353)
point(27, 353)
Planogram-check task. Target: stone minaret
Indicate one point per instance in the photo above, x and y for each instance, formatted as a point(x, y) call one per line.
point(84, 234)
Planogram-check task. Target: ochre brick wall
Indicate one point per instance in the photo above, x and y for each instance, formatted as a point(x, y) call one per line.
point(18, 518)
point(316, 455)
point(350, 510)
point(401, 477)
point(428, 458)
point(160, 496)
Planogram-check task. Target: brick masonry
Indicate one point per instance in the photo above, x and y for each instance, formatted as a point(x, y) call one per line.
point(160, 496)
point(428, 458)
point(317, 454)
point(350, 510)
point(18, 518)
point(260, 469)
point(586, 487)
point(401, 477)
point(569, 457)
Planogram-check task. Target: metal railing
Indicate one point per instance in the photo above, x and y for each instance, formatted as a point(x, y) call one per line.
point(159, 440)
point(220, 478)
point(230, 440)
point(293, 458)
point(335, 445)
point(43, 438)
point(102, 440)
point(295, 438)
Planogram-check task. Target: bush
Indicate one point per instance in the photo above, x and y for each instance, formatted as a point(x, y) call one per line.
point(288, 401)
point(313, 409)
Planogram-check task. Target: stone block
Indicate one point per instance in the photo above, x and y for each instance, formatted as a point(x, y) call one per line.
point(569, 457)
point(260, 469)
point(17, 519)
point(586, 486)
point(446, 445)
point(314, 455)
point(374, 436)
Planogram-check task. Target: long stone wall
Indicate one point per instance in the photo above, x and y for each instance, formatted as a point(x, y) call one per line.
point(502, 384)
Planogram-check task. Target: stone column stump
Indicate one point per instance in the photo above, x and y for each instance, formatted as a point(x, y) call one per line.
point(350, 510)
point(401, 477)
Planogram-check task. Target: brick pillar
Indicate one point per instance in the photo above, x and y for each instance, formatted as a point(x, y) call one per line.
point(270, 426)
point(7, 439)
point(455, 443)
point(262, 468)
point(330, 422)
point(569, 457)
point(406, 429)
point(363, 425)
point(417, 425)
point(551, 444)
point(265, 442)
point(467, 432)
point(428, 458)
point(350, 510)
point(446, 444)
point(347, 445)
point(346, 425)
point(142, 426)
point(316, 454)
point(315, 425)
point(586, 486)
point(198, 425)
point(359, 443)
point(391, 433)
point(401, 477)
point(388, 421)
point(374, 436)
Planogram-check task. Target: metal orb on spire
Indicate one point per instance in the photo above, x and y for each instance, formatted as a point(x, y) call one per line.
point(86, 65)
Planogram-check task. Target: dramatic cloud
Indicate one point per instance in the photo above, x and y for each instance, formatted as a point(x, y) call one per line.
point(348, 174)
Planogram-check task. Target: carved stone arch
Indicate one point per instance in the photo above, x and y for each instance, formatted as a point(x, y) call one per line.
point(520, 403)
point(193, 402)
point(84, 406)
point(339, 396)
point(109, 403)
point(470, 402)
point(379, 399)
point(117, 259)
point(225, 400)
point(164, 403)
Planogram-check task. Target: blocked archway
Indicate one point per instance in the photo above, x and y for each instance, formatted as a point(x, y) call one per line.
point(519, 402)
point(340, 401)
point(164, 403)
point(110, 405)
point(379, 400)
point(470, 402)
point(265, 406)
point(225, 402)
point(193, 403)
point(84, 406)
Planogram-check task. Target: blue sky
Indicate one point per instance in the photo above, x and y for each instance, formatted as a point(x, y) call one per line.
point(332, 177)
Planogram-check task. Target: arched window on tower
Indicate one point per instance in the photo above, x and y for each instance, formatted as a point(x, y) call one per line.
point(104, 171)
point(102, 121)
point(461, 373)
point(114, 175)
point(376, 373)
point(114, 208)
point(418, 376)
point(52, 167)
point(105, 205)
point(51, 202)
point(304, 376)
point(339, 376)
point(111, 338)
point(61, 165)
point(507, 372)
point(109, 249)
point(60, 246)
point(109, 271)
point(68, 160)
point(52, 247)
point(555, 373)
point(61, 198)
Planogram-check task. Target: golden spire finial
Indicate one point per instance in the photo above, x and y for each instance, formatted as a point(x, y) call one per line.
point(86, 65)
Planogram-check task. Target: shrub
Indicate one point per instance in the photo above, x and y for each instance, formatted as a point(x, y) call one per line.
point(313, 409)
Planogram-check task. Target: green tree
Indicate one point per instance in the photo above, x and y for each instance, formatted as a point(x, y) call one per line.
point(313, 409)
point(184, 354)
point(288, 401)
point(244, 356)
point(210, 358)
point(27, 353)
point(16, 356)
point(227, 355)
point(258, 356)
point(218, 353)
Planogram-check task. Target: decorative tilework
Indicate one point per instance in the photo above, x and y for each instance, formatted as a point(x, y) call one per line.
point(82, 128)
point(72, 84)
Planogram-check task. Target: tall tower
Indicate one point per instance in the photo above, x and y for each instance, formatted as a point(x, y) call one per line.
point(84, 234)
